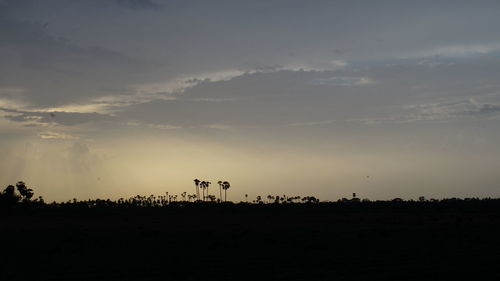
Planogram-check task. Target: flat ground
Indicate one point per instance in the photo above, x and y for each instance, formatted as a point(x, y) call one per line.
point(299, 242)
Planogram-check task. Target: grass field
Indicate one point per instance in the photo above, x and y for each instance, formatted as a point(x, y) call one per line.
point(326, 241)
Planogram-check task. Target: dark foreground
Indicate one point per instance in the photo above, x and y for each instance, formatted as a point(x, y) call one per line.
point(403, 241)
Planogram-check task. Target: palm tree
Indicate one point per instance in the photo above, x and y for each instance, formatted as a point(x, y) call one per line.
point(207, 183)
point(220, 189)
point(197, 183)
point(203, 185)
point(225, 186)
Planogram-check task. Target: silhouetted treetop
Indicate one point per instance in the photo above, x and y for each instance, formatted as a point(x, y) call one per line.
point(24, 194)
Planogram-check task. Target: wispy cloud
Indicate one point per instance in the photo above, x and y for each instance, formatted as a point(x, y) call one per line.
point(41, 118)
point(214, 99)
point(312, 123)
point(56, 135)
point(135, 123)
point(219, 126)
point(456, 108)
point(343, 81)
point(441, 111)
point(457, 51)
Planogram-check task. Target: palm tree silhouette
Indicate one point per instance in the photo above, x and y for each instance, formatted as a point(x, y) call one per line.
point(197, 183)
point(220, 189)
point(225, 186)
point(202, 186)
point(207, 183)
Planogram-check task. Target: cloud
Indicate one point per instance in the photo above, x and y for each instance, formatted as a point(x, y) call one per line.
point(43, 69)
point(74, 61)
point(8, 92)
point(456, 109)
point(134, 123)
point(280, 81)
point(251, 99)
point(46, 118)
point(267, 70)
point(56, 135)
point(406, 92)
point(458, 51)
point(219, 127)
point(442, 111)
point(343, 81)
point(312, 123)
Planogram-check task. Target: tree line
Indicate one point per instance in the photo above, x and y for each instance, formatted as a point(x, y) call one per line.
point(20, 193)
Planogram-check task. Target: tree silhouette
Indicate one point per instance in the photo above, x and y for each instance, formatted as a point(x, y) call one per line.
point(225, 186)
point(197, 183)
point(202, 186)
point(207, 183)
point(9, 196)
point(26, 193)
point(220, 189)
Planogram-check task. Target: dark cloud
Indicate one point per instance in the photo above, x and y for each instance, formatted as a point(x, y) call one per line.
point(402, 93)
point(90, 47)
point(53, 70)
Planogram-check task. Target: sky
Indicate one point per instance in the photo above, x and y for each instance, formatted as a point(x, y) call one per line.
point(114, 98)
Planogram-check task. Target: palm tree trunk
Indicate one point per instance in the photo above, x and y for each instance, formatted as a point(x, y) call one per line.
point(225, 194)
point(220, 191)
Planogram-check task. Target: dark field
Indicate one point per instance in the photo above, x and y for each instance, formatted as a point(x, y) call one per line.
point(358, 241)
